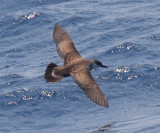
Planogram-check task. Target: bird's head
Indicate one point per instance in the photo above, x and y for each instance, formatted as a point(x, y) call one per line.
point(99, 63)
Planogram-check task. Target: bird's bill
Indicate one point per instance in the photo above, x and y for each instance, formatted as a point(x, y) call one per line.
point(104, 66)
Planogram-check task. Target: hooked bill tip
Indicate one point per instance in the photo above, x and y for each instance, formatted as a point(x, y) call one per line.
point(104, 66)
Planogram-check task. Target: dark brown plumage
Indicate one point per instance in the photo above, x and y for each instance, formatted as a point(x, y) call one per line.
point(75, 66)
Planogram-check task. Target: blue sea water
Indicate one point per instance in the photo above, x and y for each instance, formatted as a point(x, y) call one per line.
point(123, 34)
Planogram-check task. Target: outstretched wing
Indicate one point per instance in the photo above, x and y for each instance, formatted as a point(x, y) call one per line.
point(86, 82)
point(64, 44)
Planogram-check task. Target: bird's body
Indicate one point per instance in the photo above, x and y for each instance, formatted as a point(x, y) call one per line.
point(75, 66)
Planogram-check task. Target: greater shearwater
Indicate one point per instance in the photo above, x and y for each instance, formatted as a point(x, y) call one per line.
point(75, 66)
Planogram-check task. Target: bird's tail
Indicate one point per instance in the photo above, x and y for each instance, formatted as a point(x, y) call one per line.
point(49, 74)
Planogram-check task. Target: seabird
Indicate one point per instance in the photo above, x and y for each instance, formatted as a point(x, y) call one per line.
point(75, 66)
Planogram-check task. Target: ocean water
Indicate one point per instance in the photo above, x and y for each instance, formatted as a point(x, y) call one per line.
point(123, 34)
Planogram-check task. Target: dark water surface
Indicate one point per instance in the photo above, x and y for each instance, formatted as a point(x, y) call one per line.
point(124, 34)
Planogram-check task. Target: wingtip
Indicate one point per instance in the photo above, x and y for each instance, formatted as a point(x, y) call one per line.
point(107, 106)
point(102, 101)
point(56, 25)
point(60, 34)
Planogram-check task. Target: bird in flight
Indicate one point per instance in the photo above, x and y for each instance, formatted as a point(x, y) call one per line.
point(76, 66)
